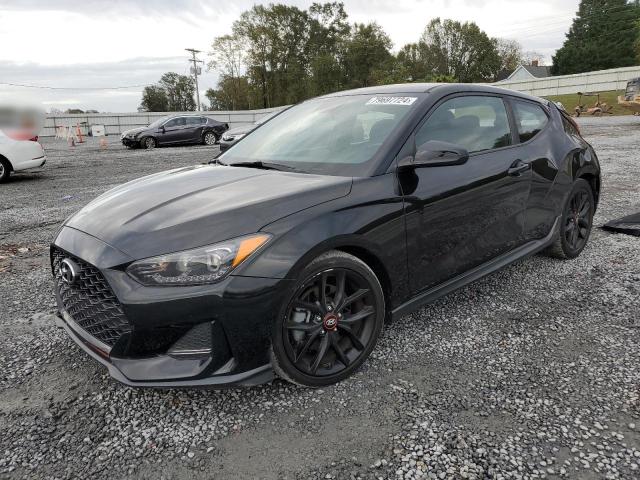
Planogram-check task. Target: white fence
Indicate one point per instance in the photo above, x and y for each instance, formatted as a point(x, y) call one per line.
point(116, 123)
point(598, 81)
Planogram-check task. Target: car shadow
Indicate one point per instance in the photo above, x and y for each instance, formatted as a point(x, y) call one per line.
point(24, 177)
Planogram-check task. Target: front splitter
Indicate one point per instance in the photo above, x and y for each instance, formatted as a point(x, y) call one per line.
point(257, 376)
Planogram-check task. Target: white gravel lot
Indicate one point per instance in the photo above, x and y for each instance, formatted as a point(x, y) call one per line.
point(529, 373)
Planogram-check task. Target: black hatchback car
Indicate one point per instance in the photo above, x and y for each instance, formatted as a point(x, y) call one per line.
point(290, 252)
point(174, 130)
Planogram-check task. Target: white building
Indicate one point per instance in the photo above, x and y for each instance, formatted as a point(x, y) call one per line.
point(529, 72)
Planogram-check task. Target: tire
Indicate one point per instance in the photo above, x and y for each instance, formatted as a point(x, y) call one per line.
point(5, 170)
point(148, 143)
point(319, 340)
point(209, 138)
point(575, 224)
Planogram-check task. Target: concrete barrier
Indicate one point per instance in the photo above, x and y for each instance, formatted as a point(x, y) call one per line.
point(116, 123)
point(598, 81)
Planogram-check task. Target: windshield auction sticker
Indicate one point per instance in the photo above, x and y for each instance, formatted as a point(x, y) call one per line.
point(392, 101)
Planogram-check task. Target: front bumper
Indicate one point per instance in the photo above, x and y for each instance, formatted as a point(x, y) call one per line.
point(226, 144)
point(238, 311)
point(130, 142)
point(138, 369)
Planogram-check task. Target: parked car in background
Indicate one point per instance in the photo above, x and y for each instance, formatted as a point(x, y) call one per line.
point(174, 130)
point(19, 155)
point(345, 211)
point(234, 135)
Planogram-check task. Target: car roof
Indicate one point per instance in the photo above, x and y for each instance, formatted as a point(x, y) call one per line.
point(395, 88)
point(445, 88)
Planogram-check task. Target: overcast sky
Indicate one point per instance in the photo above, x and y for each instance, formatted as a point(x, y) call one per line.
point(95, 44)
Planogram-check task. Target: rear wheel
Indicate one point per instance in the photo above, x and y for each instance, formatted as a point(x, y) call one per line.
point(149, 143)
point(209, 138)
point(576, 222)
point(331, 323)
point(5, 170)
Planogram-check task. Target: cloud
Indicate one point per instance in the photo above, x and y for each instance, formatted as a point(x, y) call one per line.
point(127, 42)
point(102, 7)
point(76, 80)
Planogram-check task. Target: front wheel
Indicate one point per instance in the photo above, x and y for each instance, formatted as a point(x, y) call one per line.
point(331, 323)
point(576, 222)
point(209, 138)
point(149, 143)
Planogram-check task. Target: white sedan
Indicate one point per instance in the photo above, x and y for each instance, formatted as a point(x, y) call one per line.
point(19, 155)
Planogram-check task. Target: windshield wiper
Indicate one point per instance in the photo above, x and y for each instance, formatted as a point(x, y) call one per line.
point(264, 166)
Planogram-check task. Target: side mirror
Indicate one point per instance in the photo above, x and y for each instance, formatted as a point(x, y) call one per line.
point(436, 154)
point(162, 129)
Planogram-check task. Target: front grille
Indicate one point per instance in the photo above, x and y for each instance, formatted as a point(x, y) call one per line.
point(90, 301)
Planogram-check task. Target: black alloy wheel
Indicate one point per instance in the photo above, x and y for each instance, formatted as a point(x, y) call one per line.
point(576, 222)
point(332, 321)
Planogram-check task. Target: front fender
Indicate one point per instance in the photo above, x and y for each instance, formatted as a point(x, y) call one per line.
point(370, 220)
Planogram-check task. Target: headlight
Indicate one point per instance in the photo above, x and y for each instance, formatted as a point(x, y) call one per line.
point(198, 266)
point(230, 138)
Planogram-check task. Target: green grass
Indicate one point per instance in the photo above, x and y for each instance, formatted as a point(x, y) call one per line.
point(570, 101)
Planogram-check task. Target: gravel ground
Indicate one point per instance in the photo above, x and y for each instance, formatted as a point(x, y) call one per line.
point(529, 373)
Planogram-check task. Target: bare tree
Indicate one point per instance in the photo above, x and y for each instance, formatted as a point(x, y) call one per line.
point(510, 52)
point(530, 57)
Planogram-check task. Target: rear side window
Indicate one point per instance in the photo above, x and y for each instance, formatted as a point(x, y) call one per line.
point(530, 118)
point(475, 123)
point(569, 127)
point(569, 124)
point(194, 120)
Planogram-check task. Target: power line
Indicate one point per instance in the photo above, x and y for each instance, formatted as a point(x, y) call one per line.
point(627, 24)
point(533, 25)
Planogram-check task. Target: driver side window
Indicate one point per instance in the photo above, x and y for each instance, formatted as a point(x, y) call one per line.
point(473, 122)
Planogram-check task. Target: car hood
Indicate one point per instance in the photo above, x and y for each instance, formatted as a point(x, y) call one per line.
point(133, 131)
point(201, 205)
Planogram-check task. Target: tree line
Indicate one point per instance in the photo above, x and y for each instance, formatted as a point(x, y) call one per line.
point(604, 34)
point(280, 54)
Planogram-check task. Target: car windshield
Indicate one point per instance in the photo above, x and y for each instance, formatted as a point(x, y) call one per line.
point(331, 135)
point(158, 122)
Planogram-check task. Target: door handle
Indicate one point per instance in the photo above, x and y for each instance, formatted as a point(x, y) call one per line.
point(518, 167)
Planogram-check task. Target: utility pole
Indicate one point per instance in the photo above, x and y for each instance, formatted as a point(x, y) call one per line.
point(194, 68)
